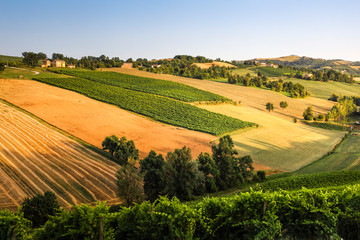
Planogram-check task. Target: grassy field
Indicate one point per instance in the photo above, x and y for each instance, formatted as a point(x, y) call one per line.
point(148, 85)
point(12, 73)
point(274, 72)
point(159, 108)
point(243, 72)
point(345, 157)
point(278, 143)
point(4, 58)
point(35, 159)
point(325, 89)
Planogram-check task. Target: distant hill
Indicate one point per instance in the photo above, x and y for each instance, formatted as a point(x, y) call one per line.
point(316, 63)
point(4, 58)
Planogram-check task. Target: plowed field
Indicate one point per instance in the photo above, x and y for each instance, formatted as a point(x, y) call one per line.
point(35, 158)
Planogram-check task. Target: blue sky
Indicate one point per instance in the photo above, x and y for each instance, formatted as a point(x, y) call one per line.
point(161, 29)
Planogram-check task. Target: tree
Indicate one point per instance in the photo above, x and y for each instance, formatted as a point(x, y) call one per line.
point(244, 168)
point(121, 150)
point(57, 56)
point(31, 59)
point(283, 104)
point(152, 167)
point(206, 164)
point(110, 143)
point(126, 150)
point(130, 185)
point(38, 208)
point(2, 67)
point(42, 56)
point(232, 168)
point(269, 106)
point(308, 114)
point(223, 155)
point(180, 174)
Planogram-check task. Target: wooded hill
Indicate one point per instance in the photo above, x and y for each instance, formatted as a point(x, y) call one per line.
point(316, 63)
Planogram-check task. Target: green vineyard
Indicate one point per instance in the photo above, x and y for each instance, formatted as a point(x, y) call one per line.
point(148, 85)
point(159, 108)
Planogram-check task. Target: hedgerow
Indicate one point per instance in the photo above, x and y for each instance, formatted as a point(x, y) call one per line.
point(301, 214)
point(315, 180)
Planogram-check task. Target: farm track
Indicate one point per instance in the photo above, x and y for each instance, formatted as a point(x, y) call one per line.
point(35, 159)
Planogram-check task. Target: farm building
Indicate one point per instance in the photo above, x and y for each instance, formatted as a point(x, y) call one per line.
point(268, 65)
point(71, 66)
point(46, 63)
point(306, 75)
point(58, 63)
point(127, 65)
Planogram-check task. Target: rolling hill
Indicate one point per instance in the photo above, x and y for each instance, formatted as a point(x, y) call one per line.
point(316, 63)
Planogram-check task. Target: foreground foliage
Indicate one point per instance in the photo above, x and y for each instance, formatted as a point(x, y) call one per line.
point(159, 108)
point(302, 214)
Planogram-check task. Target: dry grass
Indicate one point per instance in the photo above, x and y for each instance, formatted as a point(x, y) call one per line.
point(278, 143)
point(35, 159)
point(285, 58)
point(207, 65)
point(92, 121)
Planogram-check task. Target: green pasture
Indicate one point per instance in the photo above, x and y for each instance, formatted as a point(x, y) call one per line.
point(325, 89)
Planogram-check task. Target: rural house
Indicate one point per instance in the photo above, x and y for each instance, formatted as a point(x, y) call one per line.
point(306, 75)
point(46, 63)
point(58, 63)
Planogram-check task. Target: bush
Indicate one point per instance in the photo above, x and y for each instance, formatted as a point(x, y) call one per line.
point(348, 226)
point(308, 114)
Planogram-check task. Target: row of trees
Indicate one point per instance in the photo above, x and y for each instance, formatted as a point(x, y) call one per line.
point(34, 59)
point(296, 90)
point(323, 75)
point(178, 174)
point(336, 98)
point(343, 109)
point(183, 65)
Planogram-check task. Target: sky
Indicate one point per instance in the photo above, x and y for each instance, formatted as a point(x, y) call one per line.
point(227, 29)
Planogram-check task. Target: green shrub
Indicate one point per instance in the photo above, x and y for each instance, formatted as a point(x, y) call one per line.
point(348, 226)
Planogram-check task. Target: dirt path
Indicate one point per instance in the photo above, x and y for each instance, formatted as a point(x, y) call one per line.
point(35, 72)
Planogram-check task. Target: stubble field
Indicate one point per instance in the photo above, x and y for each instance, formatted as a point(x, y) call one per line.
point(35, 158)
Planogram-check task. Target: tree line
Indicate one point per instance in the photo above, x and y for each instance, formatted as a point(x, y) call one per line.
point(296, 90)
point(317, 213)
point(339, 112)
point(177, 174)
point(183, 65)
point(323, 75)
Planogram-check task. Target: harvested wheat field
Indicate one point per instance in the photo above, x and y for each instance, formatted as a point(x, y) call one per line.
point(252, 97)
point(35, 159)
point(207, 65)
point(278, 143)
point(92, 121)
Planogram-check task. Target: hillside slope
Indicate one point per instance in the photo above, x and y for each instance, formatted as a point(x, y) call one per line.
point(316, 63)
point(35, 159)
